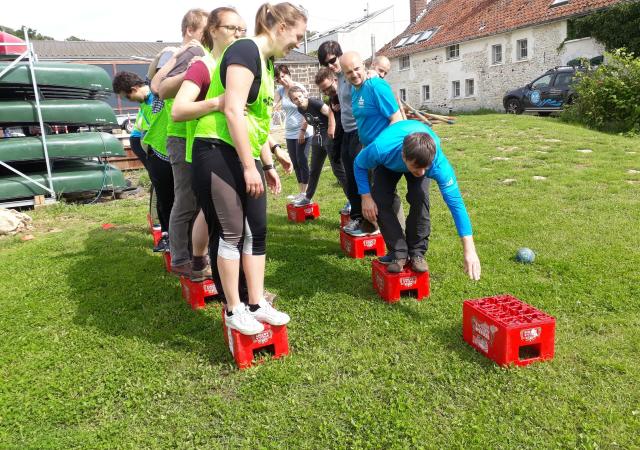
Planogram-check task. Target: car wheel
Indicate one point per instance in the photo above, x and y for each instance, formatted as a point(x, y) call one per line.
point(544, 114)
point(128, 126)
point(513, 106)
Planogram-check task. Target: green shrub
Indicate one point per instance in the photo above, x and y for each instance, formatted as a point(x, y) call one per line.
point(608, 98)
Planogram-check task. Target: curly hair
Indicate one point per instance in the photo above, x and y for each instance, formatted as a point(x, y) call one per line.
point(124, 82)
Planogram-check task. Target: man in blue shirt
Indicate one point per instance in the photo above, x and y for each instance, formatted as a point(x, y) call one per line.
point(412, 149)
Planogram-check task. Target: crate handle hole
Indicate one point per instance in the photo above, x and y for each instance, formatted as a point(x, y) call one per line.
point(527, 352)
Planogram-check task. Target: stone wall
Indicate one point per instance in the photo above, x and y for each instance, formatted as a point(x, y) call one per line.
point(305, 74)
point(491, 82)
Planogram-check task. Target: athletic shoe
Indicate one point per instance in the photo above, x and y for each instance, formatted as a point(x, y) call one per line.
point(182, 270)
point(346, 209)
point(397, 265)
point(386, 259)
point(354, 228)
point(295, 197)
point(369, 228)
point(304, 201)
point(201, 275)
point(243, 321)
point(268, 314)
point(163, 244)
point(419, 264)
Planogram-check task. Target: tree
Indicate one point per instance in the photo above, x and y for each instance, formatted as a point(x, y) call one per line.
point(616, 27)
point(74, 38)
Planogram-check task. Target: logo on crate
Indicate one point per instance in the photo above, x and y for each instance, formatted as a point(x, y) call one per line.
point(264, 337)
point(210, 289)
point(308, 211)
point(347, 245)
point(530, 334)
point(292, 214)
point(483, 334)
point(369, 243)
point(379, 281)
point(408, 281)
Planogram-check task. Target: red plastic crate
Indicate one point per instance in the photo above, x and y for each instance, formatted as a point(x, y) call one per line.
point(150, 223)
point(302, 213)
point(157, 235)
point(507, 330)
point(273, 340)
point(390, 286)
point(344, 219)
point(166, 256)
point(196, 293)
point(358, 246)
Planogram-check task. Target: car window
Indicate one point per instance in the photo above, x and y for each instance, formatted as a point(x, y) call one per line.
point(542, 82)
point(563, 79)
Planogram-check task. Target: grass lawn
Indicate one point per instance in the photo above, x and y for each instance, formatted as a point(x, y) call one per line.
point(98, 349)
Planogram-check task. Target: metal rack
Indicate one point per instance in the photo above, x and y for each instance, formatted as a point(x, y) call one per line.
point(32, 57)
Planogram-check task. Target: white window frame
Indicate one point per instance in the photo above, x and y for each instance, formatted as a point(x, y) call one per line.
point(466, 87)
point(519, 56)
point(426, 98)
point(455, 86)
point(406, 58)
point(402, 93)
point(493, 55)
point(448, 52)
point(401, 42)
point(413, 38)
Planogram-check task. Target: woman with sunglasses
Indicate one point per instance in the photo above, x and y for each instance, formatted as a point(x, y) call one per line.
point(296, 131)
point(231, 157)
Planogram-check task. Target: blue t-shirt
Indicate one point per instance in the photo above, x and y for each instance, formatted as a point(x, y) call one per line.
point(372, 103)
point(386, 150)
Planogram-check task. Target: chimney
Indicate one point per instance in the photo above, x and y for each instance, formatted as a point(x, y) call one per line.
point(415, 8)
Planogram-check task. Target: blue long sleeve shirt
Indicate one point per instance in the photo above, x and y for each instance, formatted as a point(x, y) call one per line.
point(386, 150)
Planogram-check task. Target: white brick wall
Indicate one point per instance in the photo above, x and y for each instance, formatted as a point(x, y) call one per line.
point(490, 81)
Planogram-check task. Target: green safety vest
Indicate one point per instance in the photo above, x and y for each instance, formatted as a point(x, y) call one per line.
point(192, 124)
point(174, 129)
point(156, 136)
point(214, 125)
point(143, 119)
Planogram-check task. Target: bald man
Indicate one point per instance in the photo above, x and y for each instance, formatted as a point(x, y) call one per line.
point(381, 66)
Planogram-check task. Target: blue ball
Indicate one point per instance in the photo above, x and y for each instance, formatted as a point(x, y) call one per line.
point(525, 255)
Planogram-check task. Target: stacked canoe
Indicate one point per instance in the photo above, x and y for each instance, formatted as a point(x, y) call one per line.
point(72, 101)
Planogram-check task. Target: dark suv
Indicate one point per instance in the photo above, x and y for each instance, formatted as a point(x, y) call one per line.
point(544, 94)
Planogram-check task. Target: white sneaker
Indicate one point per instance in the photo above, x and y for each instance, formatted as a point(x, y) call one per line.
point(267, 313)
point(297, 197)
point(243, 321)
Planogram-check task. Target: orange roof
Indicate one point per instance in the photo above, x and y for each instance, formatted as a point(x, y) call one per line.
point(463, 20)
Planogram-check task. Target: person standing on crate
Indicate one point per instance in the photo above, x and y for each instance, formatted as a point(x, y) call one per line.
point(296, 131)
point(319, 116)
point(411, 149)
point(130, 86)
point(231, 157)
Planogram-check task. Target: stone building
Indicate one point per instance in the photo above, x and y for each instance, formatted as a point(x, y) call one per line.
point(461, 55)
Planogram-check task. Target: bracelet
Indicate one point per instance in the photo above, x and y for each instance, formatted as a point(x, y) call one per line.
point(266, 167)
point(273, 149)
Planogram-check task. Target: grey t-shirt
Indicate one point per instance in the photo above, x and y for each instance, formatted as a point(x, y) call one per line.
point(344, 94)
point(182, 61)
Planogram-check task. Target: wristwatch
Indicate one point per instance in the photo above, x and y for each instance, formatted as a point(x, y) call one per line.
point(273, 149)
point(266, 167)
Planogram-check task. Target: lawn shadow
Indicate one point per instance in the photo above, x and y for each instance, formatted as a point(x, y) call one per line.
point(450, 337)
point(122, 289)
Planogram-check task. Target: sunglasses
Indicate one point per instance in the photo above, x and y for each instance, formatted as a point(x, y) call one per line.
point(330, 61)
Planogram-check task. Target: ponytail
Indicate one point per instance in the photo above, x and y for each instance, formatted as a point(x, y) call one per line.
point(268, 16)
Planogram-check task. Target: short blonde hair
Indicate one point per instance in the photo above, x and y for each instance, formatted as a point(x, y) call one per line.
point(193, 19)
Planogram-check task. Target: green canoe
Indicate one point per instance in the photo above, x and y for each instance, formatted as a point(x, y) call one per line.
point(76, 76)
point(67, 112)
point(72, 145)
point(68, 177)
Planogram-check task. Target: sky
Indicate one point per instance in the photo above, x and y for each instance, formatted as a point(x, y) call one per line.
point(113, 21)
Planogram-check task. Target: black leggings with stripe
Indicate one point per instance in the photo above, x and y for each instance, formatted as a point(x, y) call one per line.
point(237, 220)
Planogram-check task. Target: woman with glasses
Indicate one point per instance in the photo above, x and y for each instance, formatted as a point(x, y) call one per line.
point(296, 131)
point(231, 158)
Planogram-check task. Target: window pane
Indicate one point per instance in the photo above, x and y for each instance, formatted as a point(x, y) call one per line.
point(563, 79)
point(541, 82)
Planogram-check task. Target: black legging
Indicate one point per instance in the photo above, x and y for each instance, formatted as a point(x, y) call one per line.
point(321, 147)
point(236, 221)
point(161, 177)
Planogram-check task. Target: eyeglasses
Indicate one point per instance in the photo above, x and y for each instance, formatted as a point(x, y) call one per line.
point(234, 29)
point(330, 61)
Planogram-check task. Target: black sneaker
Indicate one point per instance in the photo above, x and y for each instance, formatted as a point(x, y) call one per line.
point(386, 259)
point(163, 244)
